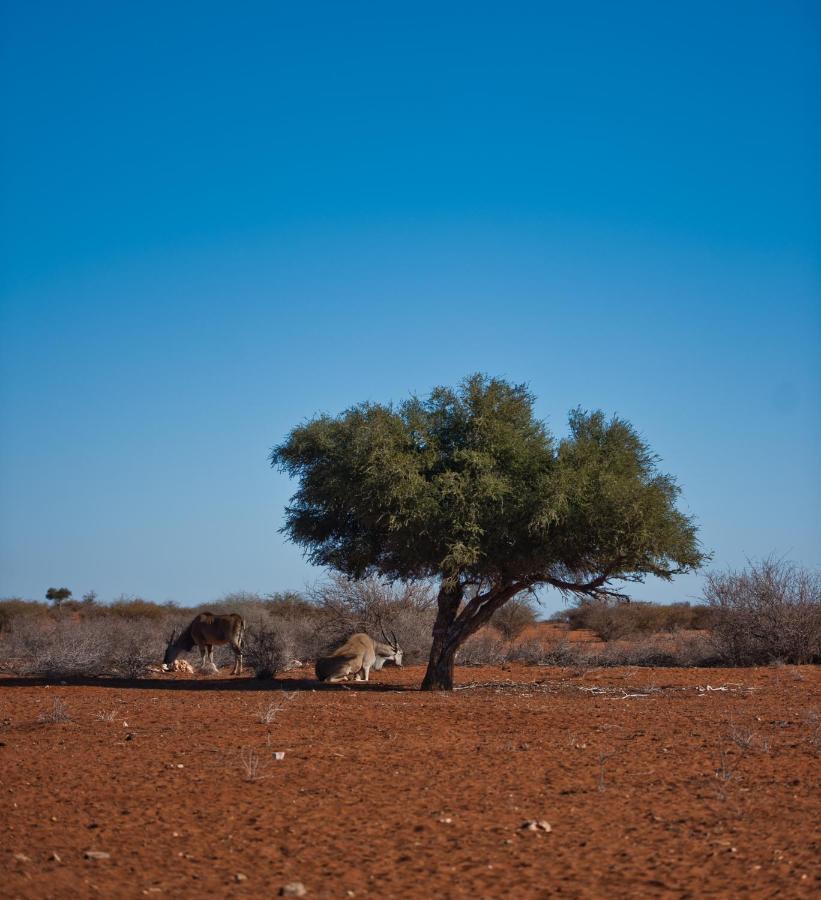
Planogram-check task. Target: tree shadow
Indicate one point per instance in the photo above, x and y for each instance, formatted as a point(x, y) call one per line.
point(237, 684)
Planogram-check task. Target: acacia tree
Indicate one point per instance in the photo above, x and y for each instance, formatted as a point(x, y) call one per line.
point(468, 488)
point(58, 595)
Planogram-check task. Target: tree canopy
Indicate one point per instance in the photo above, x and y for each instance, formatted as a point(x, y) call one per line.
point(468, 487)
point(58, 595)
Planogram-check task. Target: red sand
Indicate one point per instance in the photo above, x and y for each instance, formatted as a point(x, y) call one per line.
point(384, 790)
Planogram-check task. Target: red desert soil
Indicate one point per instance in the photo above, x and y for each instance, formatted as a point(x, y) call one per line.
point(655, 782)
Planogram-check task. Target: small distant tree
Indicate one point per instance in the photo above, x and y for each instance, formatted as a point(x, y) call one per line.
point(58, 596)
point(469, 489)
point(90, 598)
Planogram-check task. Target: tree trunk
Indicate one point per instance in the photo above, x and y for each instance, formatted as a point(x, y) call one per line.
point(439, 676)
point(450, 630)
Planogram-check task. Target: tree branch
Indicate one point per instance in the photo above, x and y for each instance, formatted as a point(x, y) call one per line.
point(480, 609)
point(593, 588)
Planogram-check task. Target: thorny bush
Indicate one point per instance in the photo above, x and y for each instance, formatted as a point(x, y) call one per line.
point(770, 612)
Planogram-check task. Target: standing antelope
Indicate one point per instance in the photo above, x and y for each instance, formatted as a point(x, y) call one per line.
point(206, 631)
point(357, 656)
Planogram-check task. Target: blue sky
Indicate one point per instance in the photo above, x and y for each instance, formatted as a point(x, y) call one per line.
point(216, 223)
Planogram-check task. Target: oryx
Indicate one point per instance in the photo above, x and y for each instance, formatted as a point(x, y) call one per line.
point(206, 631)
point(357, 656)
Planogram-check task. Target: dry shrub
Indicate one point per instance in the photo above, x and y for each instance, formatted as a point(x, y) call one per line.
point(336, 609)
point(14, 608)
point(611, 622)
point(274, 635)
point(57, 649)
point(347, 606)
point(489, 648)
point(770, 612)
point(290, 605)
point(659, 650)
point(617, 620)
point(536, 652)
point(513, 617)
point(67, 648)
point(295, 618)
point(132, 645)
point(135, 608)
point(695, 649)
point(300, 635)
point(485, 648)
point(248, 605)
point(647, 652)
point(413, 628)
point(244, 603)
point(266, 650)
point(298, 620)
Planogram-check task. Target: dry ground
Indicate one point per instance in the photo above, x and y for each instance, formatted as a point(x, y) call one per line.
point(655, 782)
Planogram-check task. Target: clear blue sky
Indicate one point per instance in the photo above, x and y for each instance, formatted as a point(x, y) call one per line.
point(220, 219)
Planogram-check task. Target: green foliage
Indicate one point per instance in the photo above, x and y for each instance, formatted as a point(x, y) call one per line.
point(58, 595)
point(469, 487)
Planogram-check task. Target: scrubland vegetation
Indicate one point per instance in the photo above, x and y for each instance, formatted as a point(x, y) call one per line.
point(769, 613)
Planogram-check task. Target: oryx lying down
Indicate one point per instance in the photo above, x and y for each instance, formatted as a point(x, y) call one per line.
point(206, 631)
point(357, 656)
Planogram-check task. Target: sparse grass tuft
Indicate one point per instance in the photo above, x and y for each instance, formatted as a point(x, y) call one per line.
point(813, 721)
point(601, 784)
point(57, 714)
point(741, 736)
point(251, 765)
point(268, 712)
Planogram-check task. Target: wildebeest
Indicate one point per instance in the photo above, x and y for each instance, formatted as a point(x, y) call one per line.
point(357, 656)
point(206, 631)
